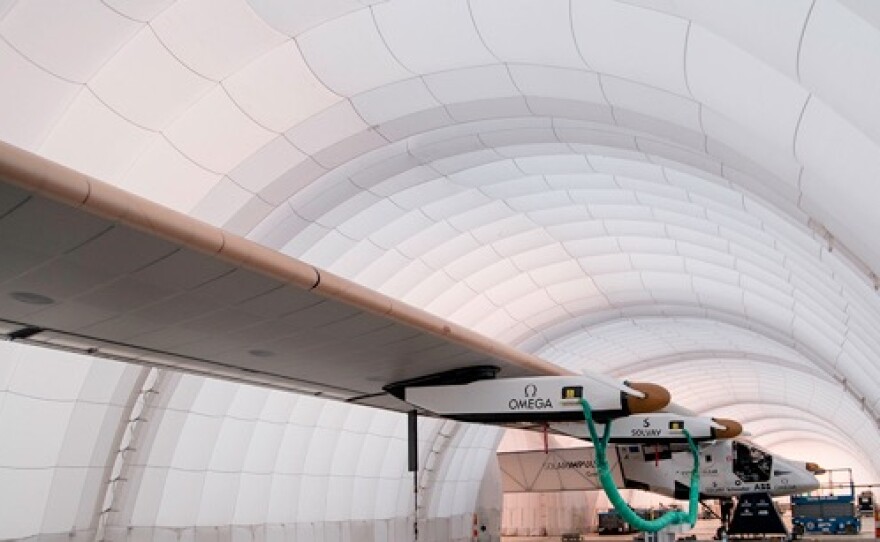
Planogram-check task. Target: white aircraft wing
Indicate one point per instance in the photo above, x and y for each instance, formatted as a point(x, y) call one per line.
point(88, 267)
point(91, 268)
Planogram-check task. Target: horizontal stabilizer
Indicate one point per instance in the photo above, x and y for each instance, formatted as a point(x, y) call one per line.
point(567, 469)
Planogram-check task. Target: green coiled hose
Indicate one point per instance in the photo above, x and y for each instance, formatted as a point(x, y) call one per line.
point(673, 517)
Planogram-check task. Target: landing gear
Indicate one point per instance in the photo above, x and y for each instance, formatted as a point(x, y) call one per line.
point(726, 508)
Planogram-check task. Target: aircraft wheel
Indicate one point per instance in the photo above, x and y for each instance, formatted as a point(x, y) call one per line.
point(850, 529)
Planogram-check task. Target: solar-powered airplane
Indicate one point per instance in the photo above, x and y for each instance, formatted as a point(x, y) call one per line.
point(89, 268)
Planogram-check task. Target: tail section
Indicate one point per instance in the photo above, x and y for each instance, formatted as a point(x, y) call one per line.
point(567, 469)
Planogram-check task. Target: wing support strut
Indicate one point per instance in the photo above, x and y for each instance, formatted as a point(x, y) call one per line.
point(412, 437)
point(674, 517)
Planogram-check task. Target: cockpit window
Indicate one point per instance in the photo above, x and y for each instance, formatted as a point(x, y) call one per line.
point(751, 464)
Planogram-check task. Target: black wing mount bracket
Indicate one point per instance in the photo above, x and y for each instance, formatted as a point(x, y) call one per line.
point(452, 377)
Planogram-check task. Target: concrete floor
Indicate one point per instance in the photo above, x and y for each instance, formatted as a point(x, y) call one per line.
point(703, 530)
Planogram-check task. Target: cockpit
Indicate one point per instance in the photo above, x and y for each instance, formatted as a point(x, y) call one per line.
point(751, 464)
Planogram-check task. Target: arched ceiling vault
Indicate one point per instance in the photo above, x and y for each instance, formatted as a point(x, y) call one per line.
point(672, 190)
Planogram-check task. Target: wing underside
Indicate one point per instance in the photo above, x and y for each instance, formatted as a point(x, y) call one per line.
point(90, 268)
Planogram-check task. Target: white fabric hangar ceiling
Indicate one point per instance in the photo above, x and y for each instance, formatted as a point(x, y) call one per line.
point(682, 191)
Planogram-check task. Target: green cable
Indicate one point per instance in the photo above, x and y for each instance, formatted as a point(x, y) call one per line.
point(674, 517)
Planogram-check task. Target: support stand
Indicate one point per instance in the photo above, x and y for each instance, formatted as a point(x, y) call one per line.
point(666, 534)
point(412, 439)
point(755, 514)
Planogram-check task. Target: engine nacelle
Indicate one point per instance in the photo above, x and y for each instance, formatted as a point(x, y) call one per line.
point(657, 427)
point(539, 399)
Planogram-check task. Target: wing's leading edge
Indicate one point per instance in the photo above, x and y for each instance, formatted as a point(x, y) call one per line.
point(90, 268)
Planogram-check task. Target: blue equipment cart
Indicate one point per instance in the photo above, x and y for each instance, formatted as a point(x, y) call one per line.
point(829, 514)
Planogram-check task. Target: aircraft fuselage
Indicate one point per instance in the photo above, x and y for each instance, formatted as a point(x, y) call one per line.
point(727, 468)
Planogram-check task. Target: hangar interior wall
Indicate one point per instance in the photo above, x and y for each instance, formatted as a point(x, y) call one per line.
point(677, 191)
point(111, 451)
